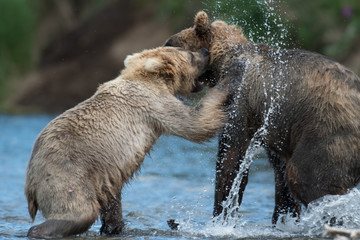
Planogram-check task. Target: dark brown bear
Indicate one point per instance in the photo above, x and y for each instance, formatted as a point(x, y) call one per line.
point(83, 158)
point(303, 107)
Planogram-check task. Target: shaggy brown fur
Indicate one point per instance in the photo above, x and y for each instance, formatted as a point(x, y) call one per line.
point(303, 107)
point(82, 159)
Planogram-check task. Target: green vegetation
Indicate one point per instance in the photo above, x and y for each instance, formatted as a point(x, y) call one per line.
point(259, 20)
point(331, 27)
point(175, 13)
point(17, 23)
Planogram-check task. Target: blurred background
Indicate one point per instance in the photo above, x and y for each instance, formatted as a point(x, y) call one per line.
point(54, 54)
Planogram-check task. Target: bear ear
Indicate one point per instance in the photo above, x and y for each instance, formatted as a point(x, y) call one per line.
point(128, 60)
point(153, 65)
point(202, 24)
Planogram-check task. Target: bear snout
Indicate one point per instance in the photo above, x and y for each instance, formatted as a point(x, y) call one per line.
point(169, 43)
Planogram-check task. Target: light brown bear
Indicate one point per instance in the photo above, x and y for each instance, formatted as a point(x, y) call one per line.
point(302, 107)
point(82, 158)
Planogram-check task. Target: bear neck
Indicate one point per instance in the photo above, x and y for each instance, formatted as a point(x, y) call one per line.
point(224, 53)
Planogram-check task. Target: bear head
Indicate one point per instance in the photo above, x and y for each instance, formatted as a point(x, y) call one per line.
point(173, 69)
point(219, 37)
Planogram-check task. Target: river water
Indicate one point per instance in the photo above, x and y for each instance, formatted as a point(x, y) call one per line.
point(176, 181)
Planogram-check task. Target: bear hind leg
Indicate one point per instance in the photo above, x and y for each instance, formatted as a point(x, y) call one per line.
point(55, 228)
point(284, 201)
point(111, 218)
point(68, 210)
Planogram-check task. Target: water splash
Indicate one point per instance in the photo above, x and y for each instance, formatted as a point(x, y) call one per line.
point(343, 208)
point(340, 210)
point(273, 85)
point(261, 20)
point(229, 215)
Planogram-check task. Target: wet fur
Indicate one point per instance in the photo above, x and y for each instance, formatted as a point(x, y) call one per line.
point(82, 159)
point(313, 136)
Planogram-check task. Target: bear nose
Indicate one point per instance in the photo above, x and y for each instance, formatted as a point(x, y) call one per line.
point(169, 43)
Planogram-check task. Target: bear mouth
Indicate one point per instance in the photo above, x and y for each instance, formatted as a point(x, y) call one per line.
point(207, 79)
point(199, 85)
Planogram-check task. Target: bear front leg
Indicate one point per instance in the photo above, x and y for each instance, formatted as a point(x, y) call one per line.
point(234, 140)
point(197, 124)
point(284, 201)
point(232, 148)
point(233, 144)
point(227, 167)
point(111, 218)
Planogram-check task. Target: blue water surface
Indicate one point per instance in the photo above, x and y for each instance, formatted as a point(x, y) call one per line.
point(176, 181)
